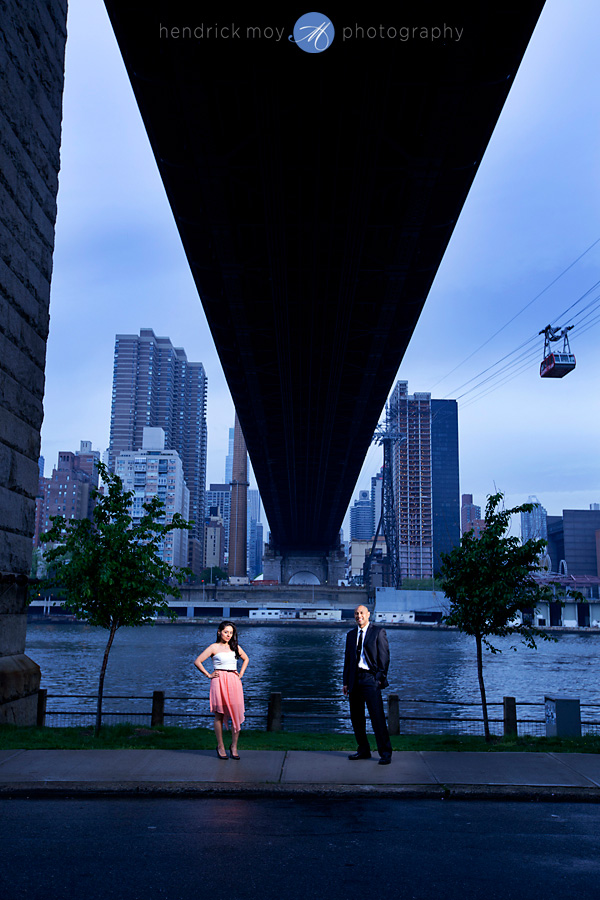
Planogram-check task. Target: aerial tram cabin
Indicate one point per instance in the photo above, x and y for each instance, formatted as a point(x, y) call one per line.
point(556, 364)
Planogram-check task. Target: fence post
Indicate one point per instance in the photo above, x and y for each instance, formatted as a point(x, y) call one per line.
point(274, 713)
point(510, 716)
point(41, 707)
point(158, 709)
point(393, 714)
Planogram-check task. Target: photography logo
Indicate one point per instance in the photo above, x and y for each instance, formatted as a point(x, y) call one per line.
point(313, 32)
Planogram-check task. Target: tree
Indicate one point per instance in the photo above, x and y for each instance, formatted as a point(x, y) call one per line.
point(211, 575)
point(109, 567)
point(489, 581)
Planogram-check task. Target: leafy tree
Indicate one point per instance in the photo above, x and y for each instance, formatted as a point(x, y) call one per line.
point(212, 575)
point(109, 568)
point(489, 581)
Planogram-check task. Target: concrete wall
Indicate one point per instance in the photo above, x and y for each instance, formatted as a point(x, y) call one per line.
point(32, 47)
point(297, 595)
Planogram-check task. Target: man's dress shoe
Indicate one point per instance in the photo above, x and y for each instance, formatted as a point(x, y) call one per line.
point(360, 756)
point(385, 761)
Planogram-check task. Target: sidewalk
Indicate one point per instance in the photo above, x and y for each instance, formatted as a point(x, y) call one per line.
point(433, 774)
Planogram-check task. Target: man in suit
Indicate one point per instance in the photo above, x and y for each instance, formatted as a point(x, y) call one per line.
point(365, 673)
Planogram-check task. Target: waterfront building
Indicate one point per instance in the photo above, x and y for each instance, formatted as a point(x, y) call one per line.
point(425, 479)
point(534, 526)
point(153, 471)
point(67, 492)
point(361, 518)
point(155, 386)
point(469, 512)
point(574, 542)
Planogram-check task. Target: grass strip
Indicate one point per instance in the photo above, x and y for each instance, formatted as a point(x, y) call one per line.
point(119, 737)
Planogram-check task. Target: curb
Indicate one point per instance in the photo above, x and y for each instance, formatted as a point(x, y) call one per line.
point(515, 793)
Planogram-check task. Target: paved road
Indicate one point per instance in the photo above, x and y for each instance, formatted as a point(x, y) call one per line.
point(297, 849)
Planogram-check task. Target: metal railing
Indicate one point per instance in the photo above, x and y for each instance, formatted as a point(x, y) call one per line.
point(308, 714)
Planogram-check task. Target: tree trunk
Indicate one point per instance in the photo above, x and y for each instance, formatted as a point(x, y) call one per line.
point(486, 724)
point(111, 637)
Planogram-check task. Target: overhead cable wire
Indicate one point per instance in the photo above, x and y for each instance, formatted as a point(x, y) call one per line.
point(522, 310)
point(593, 303)
point(508, 376)
point(513, 372)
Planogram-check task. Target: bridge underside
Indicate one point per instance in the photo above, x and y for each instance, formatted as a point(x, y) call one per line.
point(315, 195)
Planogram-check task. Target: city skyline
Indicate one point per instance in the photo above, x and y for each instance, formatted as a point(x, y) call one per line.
point(530, 214)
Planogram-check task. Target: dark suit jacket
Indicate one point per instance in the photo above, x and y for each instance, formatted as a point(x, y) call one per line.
point(377, 655)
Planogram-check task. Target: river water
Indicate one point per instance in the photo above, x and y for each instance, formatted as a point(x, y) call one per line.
point(305, 661)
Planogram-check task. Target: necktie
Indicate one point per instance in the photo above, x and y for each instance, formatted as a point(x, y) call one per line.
point(359, 647)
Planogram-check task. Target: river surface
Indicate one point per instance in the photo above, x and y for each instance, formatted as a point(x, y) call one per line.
point(304, 661)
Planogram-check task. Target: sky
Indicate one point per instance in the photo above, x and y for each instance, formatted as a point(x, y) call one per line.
point(518, 252)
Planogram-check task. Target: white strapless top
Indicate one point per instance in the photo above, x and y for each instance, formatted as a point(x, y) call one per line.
point(225, 660)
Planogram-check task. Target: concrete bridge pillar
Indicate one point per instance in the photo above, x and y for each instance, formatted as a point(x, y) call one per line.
point(32, 48)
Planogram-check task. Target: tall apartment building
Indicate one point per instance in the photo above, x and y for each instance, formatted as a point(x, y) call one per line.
point(425, 479)
point(534, 525)
point(67, 492)
point(469, 513)
point(151, 472)
point(155, 386)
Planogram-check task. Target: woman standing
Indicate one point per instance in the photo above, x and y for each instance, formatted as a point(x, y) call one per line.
point(226, 694)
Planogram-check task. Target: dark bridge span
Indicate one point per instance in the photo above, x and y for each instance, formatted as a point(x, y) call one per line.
point(315, 195)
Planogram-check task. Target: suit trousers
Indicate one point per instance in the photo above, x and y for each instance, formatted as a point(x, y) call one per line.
point(366, 690)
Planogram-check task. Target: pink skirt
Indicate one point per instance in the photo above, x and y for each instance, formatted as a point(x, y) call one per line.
point(227, 697)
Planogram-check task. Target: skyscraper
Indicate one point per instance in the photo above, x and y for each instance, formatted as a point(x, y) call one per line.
point(534, 525)
point(425, 479)
point(155, 386)
point(254, 535)
point(444, 479)
point(361, 518)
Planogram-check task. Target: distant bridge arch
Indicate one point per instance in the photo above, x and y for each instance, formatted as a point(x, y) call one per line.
point(304, 578)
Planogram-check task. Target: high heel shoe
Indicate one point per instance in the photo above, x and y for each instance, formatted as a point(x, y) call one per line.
point(221, 757)
point(232, 754)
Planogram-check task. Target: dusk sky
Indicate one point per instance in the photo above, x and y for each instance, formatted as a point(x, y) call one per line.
point(532, 212)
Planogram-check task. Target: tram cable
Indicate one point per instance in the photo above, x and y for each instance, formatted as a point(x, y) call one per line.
point(522, 310)
point(590, 308)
